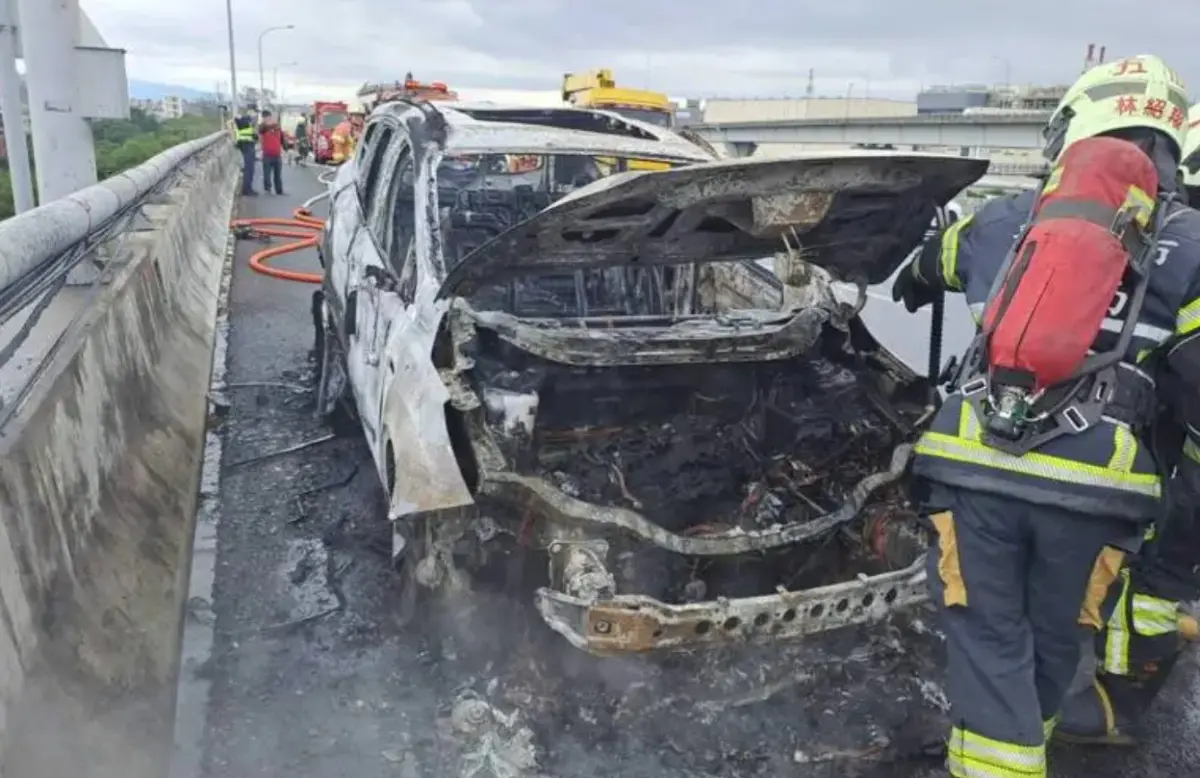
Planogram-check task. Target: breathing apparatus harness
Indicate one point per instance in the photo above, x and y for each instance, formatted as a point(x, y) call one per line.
point(1016, 418)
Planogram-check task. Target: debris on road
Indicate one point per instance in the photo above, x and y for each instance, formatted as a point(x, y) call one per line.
point(282, 452)
point(494, 744)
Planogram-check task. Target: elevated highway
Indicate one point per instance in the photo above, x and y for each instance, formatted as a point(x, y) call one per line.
point(968, 132)
point(194, 578)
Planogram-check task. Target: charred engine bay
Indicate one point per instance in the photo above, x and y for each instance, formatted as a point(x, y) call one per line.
point(706, 449)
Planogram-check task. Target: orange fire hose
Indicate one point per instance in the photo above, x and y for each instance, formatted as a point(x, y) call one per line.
point(303, 226)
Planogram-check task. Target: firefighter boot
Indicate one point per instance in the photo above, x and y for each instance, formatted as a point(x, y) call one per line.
point(1089, 717)
point(1108, 713)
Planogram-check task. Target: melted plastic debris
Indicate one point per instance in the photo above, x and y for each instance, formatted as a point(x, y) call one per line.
point(494, 744)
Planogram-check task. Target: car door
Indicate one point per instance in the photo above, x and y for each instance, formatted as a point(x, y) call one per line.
point(344, 231)
point(394, 224)
point(421, 468)
point(371, 277)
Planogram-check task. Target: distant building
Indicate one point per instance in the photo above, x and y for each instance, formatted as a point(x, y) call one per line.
point(959, 99)
point(167, 108)
point(949, 99)
point(170, 107)
point(1028, 98)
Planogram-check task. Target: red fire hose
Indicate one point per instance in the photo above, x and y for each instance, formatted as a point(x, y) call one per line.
point(303, 226)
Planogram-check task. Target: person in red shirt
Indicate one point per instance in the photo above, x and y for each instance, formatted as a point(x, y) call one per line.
point(271, 139)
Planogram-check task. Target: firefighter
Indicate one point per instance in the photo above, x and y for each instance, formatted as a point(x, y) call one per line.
point(1145, 632)
point(1029, 546)
point(1138, 647)
point(340, 140)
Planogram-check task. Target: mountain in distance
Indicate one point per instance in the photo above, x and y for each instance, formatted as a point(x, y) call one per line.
point(150, 90)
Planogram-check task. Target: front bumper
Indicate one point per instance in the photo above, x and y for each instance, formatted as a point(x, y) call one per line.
point(582, 605)
point(633, 623)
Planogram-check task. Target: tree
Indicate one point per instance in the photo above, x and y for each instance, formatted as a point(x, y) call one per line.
point(125, 143)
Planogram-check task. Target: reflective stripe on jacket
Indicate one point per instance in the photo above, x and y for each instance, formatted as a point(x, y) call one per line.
point(1104, 471)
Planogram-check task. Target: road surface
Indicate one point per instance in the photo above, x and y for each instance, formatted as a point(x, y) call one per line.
point(312, 675)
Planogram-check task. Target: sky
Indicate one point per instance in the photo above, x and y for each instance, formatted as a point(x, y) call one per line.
point(519, 49)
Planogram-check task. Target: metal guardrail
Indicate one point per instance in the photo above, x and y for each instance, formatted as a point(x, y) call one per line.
point(40, 248)
point(31, 239)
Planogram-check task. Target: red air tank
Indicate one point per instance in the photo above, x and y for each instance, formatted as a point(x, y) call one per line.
point(1067, 270)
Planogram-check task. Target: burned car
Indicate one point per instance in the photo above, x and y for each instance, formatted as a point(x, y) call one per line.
point(553, 356)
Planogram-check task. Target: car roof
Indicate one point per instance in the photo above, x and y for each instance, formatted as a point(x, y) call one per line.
point(482, 126)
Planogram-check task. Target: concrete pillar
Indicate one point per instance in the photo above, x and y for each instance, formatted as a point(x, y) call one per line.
point(62, 140)
point(10, 109)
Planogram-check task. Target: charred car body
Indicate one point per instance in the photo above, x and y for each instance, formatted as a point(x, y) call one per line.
point(550, 355)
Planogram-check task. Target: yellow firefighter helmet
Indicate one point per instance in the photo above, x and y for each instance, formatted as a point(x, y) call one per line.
point(1139, 91)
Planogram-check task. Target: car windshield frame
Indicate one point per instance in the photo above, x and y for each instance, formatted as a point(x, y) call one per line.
point(606, 164)
point(476, 210)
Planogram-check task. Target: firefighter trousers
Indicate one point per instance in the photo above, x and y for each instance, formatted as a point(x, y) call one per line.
point(1017, 586)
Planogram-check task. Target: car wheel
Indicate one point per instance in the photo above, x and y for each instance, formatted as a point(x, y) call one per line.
point(335, 402)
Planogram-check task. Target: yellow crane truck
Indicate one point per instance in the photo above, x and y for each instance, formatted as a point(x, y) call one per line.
point(597, 89)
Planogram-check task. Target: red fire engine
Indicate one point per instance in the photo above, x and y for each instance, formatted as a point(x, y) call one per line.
point(325, 117)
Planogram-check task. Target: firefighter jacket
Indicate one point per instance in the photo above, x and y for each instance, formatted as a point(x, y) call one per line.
point(341, 141)
point(1109, 469)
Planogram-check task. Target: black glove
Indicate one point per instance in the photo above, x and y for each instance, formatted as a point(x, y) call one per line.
point(915, 293)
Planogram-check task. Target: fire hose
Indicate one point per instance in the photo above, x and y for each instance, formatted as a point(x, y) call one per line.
point(303, 227)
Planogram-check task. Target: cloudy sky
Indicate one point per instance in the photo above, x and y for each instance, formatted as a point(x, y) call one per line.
point(713, 48)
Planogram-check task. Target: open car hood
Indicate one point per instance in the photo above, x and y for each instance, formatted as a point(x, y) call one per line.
point(857, 214)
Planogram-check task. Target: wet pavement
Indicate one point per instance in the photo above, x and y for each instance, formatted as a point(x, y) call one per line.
point(313, 674)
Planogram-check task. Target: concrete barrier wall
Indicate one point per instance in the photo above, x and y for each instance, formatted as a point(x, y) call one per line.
point(99, 473)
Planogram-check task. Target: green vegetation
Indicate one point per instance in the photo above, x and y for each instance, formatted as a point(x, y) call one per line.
point(125, 143)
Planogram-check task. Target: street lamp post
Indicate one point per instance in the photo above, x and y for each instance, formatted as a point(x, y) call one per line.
point(233, 93)
point(262, 81)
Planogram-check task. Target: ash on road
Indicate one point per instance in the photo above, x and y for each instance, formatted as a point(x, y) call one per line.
point(314, 676)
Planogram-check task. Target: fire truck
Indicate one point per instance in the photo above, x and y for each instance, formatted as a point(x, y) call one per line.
point(408, 89)
point(598, 89)
point(325, 117)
